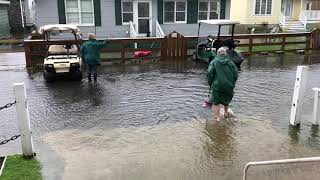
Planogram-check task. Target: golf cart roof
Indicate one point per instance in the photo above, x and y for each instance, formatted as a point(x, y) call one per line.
point(219, 22)
point(59, 28)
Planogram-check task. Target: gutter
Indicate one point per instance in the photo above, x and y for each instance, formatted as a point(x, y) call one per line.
point(5, 2)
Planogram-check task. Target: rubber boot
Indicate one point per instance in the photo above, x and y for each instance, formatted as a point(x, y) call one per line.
point(89, 77)
point(95, 77)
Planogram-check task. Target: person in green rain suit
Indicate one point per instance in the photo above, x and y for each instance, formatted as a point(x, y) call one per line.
point(90, 51)
point(222, 77)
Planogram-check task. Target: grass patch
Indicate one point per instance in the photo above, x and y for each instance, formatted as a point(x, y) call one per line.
point(266, 48)
point(271, 48)
point(19, 168)
point(295, 46)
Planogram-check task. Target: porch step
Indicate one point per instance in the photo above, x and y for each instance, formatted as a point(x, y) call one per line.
point(293, 26)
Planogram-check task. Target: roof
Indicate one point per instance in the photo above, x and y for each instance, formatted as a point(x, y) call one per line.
point(59, 27)
point(219, 22)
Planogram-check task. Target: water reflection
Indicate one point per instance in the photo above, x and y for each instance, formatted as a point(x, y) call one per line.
point(219, 145)
point(136, 107)
point(294, 134)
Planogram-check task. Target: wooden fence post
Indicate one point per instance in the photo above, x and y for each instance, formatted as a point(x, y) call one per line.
point(27, 53)
point(308, 42)
point(123, 60)
point(250, 44)
point(283, 43)
point(23, 119)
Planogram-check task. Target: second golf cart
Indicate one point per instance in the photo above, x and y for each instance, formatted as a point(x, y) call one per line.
point(62, 57)
point(207, 49)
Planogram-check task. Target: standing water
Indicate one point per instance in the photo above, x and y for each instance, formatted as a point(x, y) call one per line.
point(147, 122)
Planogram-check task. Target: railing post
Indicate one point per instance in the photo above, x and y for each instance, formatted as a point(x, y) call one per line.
point(283, 43)
point(308, 42)
point(299, 90)
point(316, 107)
point(123, 60)
point(23, 119)
point(250, 44)
point(27, 53)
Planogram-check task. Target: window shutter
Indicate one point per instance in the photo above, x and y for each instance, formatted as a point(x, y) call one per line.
point(118, 12)
point(160, 11)
point(192, 11)
point(223, 9)
point(97, 12)
point(61, 12)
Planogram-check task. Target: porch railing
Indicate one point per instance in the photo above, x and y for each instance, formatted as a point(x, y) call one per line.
point(133, 33)
point(159, 31)
point(282, 19)
point(313, 15)
point(303, 19)
point(284, 161)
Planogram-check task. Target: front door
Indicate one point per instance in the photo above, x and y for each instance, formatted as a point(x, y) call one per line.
point(287, 8)
point(143, 18)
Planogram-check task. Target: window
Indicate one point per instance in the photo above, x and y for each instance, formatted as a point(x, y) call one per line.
point(127, 12)
point(208, 10)
point(175, 11)
point(263, 7)
point(79, 12)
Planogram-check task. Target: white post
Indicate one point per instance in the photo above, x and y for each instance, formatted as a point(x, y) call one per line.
point(23, 119)
point(299, 90)
point(316, 107)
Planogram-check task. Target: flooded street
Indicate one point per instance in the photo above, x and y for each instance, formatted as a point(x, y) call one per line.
point(144, 122)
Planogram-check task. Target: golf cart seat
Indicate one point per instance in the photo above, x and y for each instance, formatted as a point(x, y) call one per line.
point(230, 43)
point(63, 49)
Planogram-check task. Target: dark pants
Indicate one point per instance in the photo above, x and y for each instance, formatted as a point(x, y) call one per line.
point(92, 69)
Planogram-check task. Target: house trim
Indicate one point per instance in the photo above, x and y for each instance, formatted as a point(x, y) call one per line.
point(266, 15)
point(136, 18)
point(208, 12)
point(175, 12)
point(79, 5)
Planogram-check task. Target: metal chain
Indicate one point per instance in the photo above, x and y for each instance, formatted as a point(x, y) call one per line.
point(7, 105)
point(8, 140)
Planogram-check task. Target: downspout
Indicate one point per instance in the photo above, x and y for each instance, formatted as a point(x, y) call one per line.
point(22, 18)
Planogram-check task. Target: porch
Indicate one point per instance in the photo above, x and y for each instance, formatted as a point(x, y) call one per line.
point(296, 14)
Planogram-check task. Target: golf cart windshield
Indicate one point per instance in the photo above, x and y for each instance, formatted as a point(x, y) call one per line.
point(219, 23)
point(60, 31)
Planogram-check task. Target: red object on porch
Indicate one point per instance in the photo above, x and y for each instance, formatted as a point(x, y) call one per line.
point(142, 53)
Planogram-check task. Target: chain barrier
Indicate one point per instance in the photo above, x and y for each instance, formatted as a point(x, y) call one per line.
point(8, 140)
point(15, 136)
point(7, 105)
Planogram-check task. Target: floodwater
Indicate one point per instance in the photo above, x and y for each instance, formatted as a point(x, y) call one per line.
point(144, 122)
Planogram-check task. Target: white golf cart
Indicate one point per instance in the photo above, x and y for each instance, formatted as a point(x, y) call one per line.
point(63, 58)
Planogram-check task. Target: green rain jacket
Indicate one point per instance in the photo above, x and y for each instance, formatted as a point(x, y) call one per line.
point(222, 77)
point(91, 51)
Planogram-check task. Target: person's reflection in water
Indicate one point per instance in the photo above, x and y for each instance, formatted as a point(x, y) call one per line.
point(219, 146)
point(95, 94)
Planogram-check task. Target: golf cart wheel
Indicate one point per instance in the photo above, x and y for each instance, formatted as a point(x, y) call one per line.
point(195, 57)
point(48, 77)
